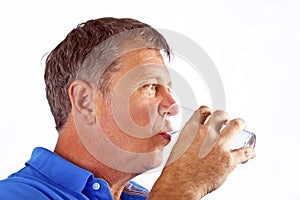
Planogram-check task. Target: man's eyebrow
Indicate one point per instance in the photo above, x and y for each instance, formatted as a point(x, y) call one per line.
point(144, 79)
point(149, 78)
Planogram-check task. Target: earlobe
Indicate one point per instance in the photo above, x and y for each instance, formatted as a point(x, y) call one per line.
point(82, 100)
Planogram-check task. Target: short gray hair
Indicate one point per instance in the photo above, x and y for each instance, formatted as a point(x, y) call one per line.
point(91, 52)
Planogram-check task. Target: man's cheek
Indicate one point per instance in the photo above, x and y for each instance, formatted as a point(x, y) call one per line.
point(140, 115)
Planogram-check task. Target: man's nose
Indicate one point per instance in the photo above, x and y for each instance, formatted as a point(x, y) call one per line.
point(168, 105)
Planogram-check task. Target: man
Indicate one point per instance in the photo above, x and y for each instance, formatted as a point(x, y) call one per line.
point(109, 92)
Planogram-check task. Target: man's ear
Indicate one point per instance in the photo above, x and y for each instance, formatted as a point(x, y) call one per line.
point(82, 100)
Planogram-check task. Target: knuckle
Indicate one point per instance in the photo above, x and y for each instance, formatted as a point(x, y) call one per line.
point(237, 123)
point(246, 153)
point(220, 114)
point(205, 110)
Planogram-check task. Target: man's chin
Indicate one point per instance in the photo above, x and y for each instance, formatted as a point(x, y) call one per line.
point(153, 161)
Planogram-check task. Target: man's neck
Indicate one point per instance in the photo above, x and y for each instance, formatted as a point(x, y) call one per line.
point(70, 147)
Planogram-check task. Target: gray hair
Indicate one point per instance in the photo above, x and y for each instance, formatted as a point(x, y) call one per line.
point(91, 52)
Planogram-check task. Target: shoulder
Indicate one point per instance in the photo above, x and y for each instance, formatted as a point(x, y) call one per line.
point(15, 190)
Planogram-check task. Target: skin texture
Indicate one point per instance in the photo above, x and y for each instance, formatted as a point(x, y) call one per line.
point(92, 134)
point(128, 127)
point(191, 176)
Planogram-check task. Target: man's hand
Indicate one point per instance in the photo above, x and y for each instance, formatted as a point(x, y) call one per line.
point(201, 159)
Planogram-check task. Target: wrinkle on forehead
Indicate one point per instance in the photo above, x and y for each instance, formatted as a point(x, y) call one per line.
point(151, 58)
point(142, 57)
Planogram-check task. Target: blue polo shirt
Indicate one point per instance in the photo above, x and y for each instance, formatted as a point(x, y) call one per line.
point(49, 176)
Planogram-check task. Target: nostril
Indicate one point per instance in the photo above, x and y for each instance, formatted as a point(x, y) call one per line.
point(168, 110)
point(166, 113)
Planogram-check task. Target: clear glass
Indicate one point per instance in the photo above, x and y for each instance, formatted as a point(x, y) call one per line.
point(243, 139)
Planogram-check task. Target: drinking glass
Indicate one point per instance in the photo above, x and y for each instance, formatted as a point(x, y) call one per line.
point(243, 139)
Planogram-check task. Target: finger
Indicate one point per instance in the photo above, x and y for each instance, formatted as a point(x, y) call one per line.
point(191, 136)
point(217, 120)
point(215, 123)
point(205, 112)
point(188, 135)
point(242, 155)
point(232, 128)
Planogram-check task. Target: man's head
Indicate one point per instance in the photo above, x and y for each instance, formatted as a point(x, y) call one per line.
point(108, 83)
point(91, 52)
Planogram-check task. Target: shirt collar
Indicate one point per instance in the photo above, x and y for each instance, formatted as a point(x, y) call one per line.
point(63, 172)
point(58, 169)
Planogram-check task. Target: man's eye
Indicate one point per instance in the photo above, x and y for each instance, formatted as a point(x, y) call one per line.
point(150, 86)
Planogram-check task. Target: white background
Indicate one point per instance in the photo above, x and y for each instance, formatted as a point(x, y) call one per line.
point(254, 44)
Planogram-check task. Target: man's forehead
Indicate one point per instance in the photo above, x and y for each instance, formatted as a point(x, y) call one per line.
point(143, 56)
point(148, 74)
point(143, 65)
point(153, 71)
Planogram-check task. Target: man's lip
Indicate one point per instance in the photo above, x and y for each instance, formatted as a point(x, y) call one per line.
point(165, 135)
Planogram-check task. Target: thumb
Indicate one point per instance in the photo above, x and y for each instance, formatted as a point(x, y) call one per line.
point(242, 155)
